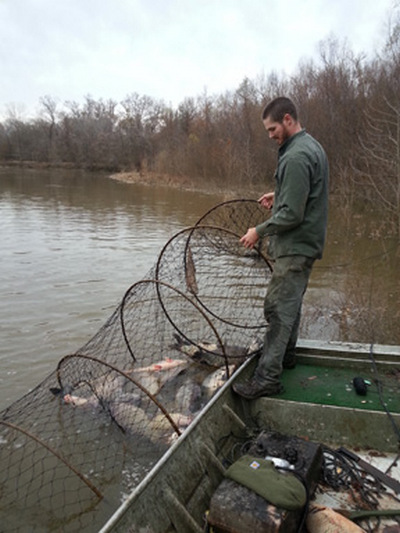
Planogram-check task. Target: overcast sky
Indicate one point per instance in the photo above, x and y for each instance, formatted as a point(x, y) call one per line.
point(167, 49)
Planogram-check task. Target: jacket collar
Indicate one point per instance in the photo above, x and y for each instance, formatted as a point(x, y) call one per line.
point(288, 142)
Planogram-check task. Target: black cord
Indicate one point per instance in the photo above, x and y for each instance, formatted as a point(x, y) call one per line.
point(340, 472)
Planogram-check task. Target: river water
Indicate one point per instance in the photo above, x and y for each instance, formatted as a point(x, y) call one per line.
point(73, 242)
point(71, 245)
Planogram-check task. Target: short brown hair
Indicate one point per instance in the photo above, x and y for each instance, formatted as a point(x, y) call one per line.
point(278, 108)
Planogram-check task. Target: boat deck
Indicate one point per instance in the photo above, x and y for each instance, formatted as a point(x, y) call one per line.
point(321, 403)
point(334, 386)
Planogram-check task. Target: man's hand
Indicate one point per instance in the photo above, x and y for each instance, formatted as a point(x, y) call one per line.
point(267, 200)
point(250, 239)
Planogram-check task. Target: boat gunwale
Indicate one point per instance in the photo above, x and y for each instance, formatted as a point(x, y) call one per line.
point(363, 350)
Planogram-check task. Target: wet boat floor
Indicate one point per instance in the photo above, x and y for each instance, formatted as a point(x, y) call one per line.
point(334, 386)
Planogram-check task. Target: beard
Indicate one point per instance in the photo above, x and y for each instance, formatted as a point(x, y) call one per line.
point(285, 134)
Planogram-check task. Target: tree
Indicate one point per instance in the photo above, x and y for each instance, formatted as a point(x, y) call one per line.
point(137, 128)
point(49, 124)
point(378, 168)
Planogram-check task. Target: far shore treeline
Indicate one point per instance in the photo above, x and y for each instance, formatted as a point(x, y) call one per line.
point(350, 103)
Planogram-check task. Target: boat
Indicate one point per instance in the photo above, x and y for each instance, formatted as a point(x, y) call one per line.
point(321, 406)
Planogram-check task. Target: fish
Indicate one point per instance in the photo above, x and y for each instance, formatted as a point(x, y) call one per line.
point(166, 364)
point(124, 411)
point(161, 426)
point(130, 417)
point(61, 391)
point(160, 422)
point(151, 377)
point(190, 272)
point(189, 398)
point(125, 408)
point(202, 353)
point(109, 388)
point(212, 354)
point(78, 401)
point(153, 380)
point(105, 386)
point(94, 401)
point(134, 420)
point(215, 380)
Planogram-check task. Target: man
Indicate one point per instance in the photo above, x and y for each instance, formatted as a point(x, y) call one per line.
point(296, 232)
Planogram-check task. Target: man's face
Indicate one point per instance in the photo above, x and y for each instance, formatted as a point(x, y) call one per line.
point(278, 131)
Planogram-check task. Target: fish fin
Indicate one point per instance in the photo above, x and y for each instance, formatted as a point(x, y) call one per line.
point(180, 341)
point(178, 338)
point(57, 391)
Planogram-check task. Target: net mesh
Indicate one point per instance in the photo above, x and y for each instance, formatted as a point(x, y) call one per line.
point(72, 449)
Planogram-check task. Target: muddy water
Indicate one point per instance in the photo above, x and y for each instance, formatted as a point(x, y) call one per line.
point(72, 243)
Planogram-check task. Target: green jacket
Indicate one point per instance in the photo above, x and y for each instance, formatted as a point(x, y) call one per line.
point(299, 215)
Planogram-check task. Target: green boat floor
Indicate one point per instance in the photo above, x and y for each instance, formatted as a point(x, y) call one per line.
point(334, 386)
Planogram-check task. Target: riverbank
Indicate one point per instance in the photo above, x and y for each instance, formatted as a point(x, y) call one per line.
point(148, 178)
point(36, 164)
point(182, 183)
point(153, 178)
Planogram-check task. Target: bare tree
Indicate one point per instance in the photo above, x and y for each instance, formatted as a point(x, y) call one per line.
point(378, 161)
point(138, 125)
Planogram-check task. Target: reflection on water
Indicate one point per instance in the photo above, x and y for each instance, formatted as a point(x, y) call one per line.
point(355, 289)
point(72, 243)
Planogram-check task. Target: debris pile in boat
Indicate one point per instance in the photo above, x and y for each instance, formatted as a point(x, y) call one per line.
point(268, 485)
point(275, 482)
point(94, 427)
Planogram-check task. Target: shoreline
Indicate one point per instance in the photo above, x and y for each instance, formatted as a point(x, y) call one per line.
point(178, 182)
point(149, 178)
point(153, 178)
